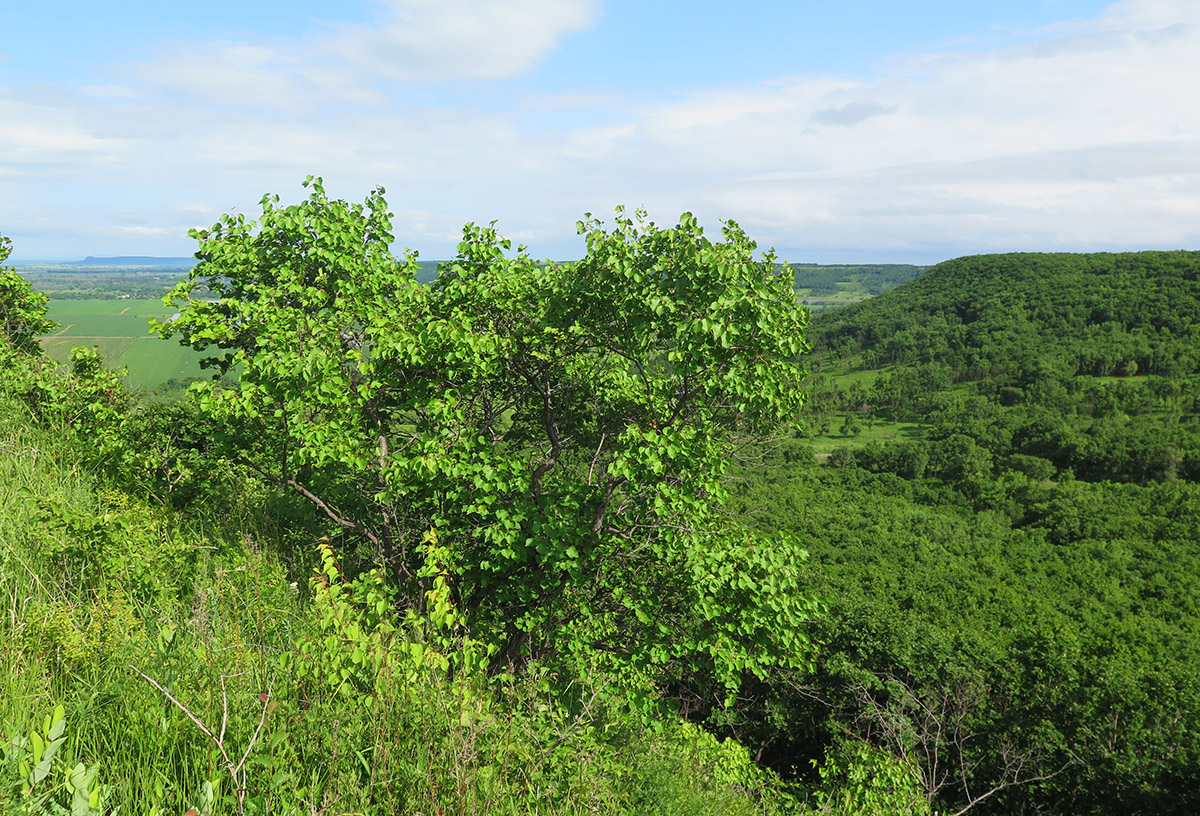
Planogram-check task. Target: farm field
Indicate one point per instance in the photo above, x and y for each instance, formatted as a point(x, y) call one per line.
point(120, 330)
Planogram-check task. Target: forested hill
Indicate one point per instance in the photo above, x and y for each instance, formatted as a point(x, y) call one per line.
point(988, 315)
point(998, 484)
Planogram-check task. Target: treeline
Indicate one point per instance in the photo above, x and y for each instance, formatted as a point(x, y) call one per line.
point(830, 280)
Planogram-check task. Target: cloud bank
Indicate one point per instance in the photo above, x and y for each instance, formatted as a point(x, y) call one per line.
point(1084, 137)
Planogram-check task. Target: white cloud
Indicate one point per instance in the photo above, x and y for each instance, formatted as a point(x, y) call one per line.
point(851, 113)
point(1149, 14)
point(110, 91)
point(460, 39)
point(413, 41)
point(1086, 137)
point(561, 102)
point(41, 135)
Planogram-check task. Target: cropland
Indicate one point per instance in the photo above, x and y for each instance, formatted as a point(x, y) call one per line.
point(119, 330)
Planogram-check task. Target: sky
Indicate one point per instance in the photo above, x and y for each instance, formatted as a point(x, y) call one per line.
point(907, 131)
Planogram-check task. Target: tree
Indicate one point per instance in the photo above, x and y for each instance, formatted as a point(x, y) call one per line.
point(22, 310)
point(932, 733)
point(563, 426)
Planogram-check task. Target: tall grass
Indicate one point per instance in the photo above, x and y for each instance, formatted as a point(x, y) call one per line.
point(98, 588)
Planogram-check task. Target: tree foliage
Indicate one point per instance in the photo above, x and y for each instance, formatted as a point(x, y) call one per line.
point(22, 310)
point(1034, 655)
point(564, 426)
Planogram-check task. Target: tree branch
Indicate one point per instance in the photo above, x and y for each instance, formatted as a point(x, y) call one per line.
point(321, 505)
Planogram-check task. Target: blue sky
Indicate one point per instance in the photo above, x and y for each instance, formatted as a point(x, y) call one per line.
point(835, 132)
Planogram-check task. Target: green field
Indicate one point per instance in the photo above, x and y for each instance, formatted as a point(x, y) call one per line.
point(120, 330)
point(870, 431)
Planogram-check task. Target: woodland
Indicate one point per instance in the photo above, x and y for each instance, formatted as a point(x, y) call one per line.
point(636, 533)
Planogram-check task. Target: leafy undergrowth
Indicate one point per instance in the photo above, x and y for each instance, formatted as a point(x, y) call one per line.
point(182, 668)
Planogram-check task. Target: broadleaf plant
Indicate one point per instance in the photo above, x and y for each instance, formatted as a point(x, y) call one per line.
point(565, 427)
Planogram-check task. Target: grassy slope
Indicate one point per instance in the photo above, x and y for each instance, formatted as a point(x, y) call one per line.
point(97, 583)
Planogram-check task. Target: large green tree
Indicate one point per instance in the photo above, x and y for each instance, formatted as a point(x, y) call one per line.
point(565, 427)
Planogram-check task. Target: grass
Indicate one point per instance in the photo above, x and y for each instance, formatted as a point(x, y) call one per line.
point(847, 293)
point(872, 431)
point(865, 377)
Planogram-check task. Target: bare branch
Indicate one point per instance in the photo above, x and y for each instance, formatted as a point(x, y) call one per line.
point(332, 513)
point(236, 772)
point(199, 724)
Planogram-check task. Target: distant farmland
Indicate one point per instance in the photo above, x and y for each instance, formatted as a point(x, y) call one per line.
point(120, 330)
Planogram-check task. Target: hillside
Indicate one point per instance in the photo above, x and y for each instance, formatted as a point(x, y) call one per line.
point(976, 594)
point(1087, 364)
point(1098, 314)
point(1005, 529)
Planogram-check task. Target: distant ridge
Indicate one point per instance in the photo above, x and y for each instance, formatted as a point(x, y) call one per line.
point(132, 260)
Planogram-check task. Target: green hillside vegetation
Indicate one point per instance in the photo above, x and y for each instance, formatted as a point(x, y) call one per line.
point(1006, 531)
point(1087, 364)
point(567, 538)
point(822, 286)
point(188, 627)
point(1102, 314)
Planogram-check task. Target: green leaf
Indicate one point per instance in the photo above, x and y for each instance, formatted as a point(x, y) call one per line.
point(58, 724)
point(39, 746)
